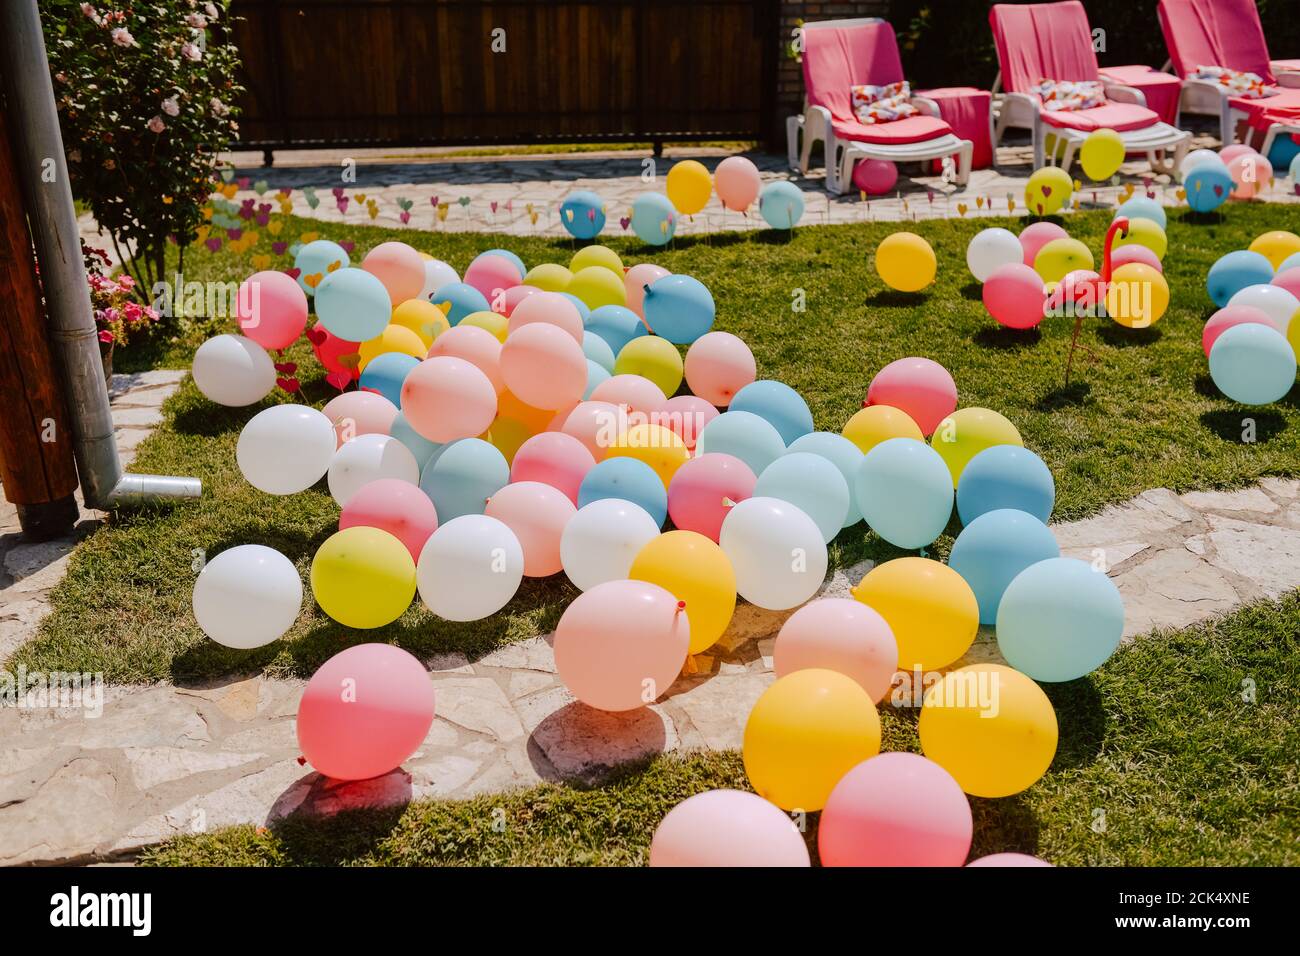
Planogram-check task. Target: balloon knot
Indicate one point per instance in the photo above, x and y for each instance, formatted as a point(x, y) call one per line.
point(646, 287)
point(681, 605)
point(728, 503)
point(864, 403)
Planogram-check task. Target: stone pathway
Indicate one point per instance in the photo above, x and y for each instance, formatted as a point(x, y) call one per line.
point(163, 760)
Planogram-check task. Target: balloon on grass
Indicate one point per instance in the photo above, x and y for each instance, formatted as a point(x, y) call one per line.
point(810, 483)
point(1014, 296)
point(841, 453)
point(446, 398)
point(285, 449)
point(423, 318)
point(317, 259)
point(596, 374)
point(778, 404)
point(929, 607)
point(394, 339)
point(1062, 256)
point(717, 366)
point(727, 827)
point(595, 255)
point(399, 267)
point(549, 277)
point(1235, 271)
point(601, 541)
point(583, 214)
point(537, 514)
point(247, 596)
point(635, 281)
point(1207, 187)
point(1276, 246)
point(737, 183)
point(271, 309)
point(520, 268)
point(368, 458)
point(596, 424)
point(550, 308)
point(870, 426)
point(597, 286)
point(705, 489)
point(462, 476)
point(395, 506)
point(1036, 235)
point(654, 219)
point(905, 262)
point(679, 308)
point(994, 548)
point(359, 413)
point(436, 274)
point(470, 568)
point(417, 444)
point(554, 459)
point(656, 446)
point(1007, 859)
point(1144, 232)
point(967, 432)
point(1229, 316)
point(232, 370)
point(629, 480)
point(921, 387)
point(597, 350)
point(752, 439)
point(1281, 306)
point(363, 577)
point(1143, 207)
point(616, 324)
point(477, 346)
point(459, 299)
point(654, 358)
point(493, 276)
point(842, 635)
point(1253, 364)
point(353, 304)
point(905, 492)
point(544, 366)
point(686, 416)
point(990, 249)
point(1005, 476)
point(778, 553)
point(697, 571)
point(1140, 254)
point(338, 356)
point(781, 204)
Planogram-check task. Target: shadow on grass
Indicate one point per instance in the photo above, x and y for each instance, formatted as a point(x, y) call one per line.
point(1241, 425)
point(1074, 395)
point(1123, 338)
point(1005, 339)
point(974, 291)
point(892, 298)
point(1081, 722)
point(1007, 825)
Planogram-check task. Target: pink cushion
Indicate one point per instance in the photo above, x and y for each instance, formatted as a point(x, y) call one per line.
point(914, 129)
point(1116, 116)
point(1037, 40)
point(1160, 89)
point(1285, 66)
point(1260, 114)
point(1214, 33)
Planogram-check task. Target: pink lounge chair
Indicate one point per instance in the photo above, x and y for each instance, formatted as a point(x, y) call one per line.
point(1053, 41)
point(837, 55)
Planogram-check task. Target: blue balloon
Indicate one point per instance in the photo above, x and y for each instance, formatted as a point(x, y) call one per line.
point(1142, 207)
point(743, 435)
point(462, 475)
point(1290, 262)
point(1005, 476)
point(419, 446)
point(1294, 170)
point(1059, 619)
point(385, 374)
point(905, 490)
point(810, 483)
point(1234, 271)
point(678, 308)
point(519, 263)
point(654, 219)
point(584, 310)
point(353, 304)
point(583, 214)
point(781, 204)
point(628, 479)
point(1253, 364)
point(616, 324)
point(779, 404)
point(596, 373)
point(464, 298)
point(1207, 186)
point(597, 350)
point(1284, 152)
point(315, 258)
point(841, 453)
point(994, 548)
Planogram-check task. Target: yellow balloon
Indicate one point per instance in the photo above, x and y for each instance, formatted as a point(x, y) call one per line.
point(395, 338)
point(905, 261)
point(1293, 336)
point(1048, 190)
point(1061, 256)
point(930, 608)
point(693, 569)
point(1137, 295)
point(654, 358)
point(602, 256)
point(967, 432)
point(876, 423)
point(659, 447)
point(1101, 154)
point(597, 286)
point(807, 731)
point(507, 434)
point(423, 318)
point(363, 577)
point(989, 726)
point(494, 322)
point(549, 277)
point(1276, 246)
point(689, 186)
point(1144, 232)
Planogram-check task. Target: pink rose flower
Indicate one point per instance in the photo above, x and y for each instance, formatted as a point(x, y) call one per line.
point(122, 37)
point(171, 107)
point(105, 336)
point(156, 125)
point(191, 52)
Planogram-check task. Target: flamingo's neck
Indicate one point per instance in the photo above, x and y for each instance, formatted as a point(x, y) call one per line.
point(1120, 226)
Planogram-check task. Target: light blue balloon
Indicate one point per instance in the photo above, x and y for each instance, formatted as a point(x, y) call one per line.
point(616, 324)
point(353, 304)
point(462, 476)
point(905, 491)
point(464, 299)
point(781, 204)
point(746, 436)
point(1005, 476)
point(584, 310)
point(519, 263)
point(841, 453)
point(679, 308)
point(1059, 620)
point(628, 479)
point(779, 404)
point(1253, 364)
point(1290, 262)
point(597, 350)
point(810, 483)
point(419, 446)
point(583, 214)
point(1143, 207)
point(1294, 170)
point(649, 213)
point(596, 373)
point(1208, 186)
point(315, 258)
point(994, 548)
point(385, 374)
point(1234, 271)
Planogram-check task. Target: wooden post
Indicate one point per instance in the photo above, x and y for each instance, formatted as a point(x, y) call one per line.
point(36, 460)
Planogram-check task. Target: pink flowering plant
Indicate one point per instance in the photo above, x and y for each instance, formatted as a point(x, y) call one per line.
point(118, 313)
point(145, 92)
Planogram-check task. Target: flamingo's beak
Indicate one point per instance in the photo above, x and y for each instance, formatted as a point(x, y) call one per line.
point(1122, 222)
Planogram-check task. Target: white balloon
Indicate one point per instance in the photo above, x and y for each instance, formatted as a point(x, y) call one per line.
point(991, 249)
point(233, 370)
point(1277, 303)
point(247, 596)
point(1198, 157)
point(600, 542)
point(285, 449)
point(436, 274)
point(776, 550)
point(469, 568)
point(368, 458)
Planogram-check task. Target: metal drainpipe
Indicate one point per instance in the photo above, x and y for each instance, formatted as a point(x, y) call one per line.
point(38, 142)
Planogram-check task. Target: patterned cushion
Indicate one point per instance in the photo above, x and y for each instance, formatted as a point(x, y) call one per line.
point(1248, 86)
point(1069, 95)
point(882, 104)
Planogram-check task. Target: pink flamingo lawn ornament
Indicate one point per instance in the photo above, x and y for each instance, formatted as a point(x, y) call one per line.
point(1098, 287)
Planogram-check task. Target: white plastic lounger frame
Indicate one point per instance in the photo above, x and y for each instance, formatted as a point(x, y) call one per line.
point(1207, 98)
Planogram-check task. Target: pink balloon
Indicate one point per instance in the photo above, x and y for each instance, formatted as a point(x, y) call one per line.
point(554, 459)
point(399, 267)
point(875, 177)
point(737, 183)
point(492, 275)
point(1251, 173)
point(620, 644)
point(636, 279)
point(595, 424)
point(727, 828)
point(514, 295)
point(365, 711)
point(895, 809)
point(1008, 859)
point(475, 345)
point(1034, 237)
point(549, 308)
point(843, 635)
point(1229, 153)
point(272, 309)
point(1014, 296)
point(1232, 315)
point(919, 386)
point(718, 365)
point(1289, 280)
point(703, 491)
point(537, 514)
point(635, 392)
point(395, 506)
point(686, 416)
point(359, 413)
point(1135, 252)
point(445, 398)
point(331, 350)
point(543, 365)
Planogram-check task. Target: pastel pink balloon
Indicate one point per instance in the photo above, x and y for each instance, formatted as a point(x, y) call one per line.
point(839, 634)
point(399, 267)
point(1229, 153)
point(543, 365)
point(1034, 237)
point(1251, 173)
point(1135, 252)
point(554, 459)
point(895, 809)
point(727, 828)
point(514, 295)
point(686, 416)
point(1014, 296)
point(445, 398)
point(1229, 316)
point(395, 506)
point(620, 644)
point(635, 392)
point(1289, 280)
point(492, 275)
point(556, 424)
point(1008, 859)
point(718, 365)
point(919, 386)
point(330, 351)
point(737, 183)
point(636, 279)
point(475, 345)
point(595, 424)
point(272, 309)
point(549, 308)
point(537, 514)
point(379, 722)
point(703, 491)
point(359, 413)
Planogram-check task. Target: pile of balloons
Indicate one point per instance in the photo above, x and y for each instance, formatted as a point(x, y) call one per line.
point(1235, 172)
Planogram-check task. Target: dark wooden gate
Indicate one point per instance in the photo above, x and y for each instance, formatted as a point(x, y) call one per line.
point(353, 73)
